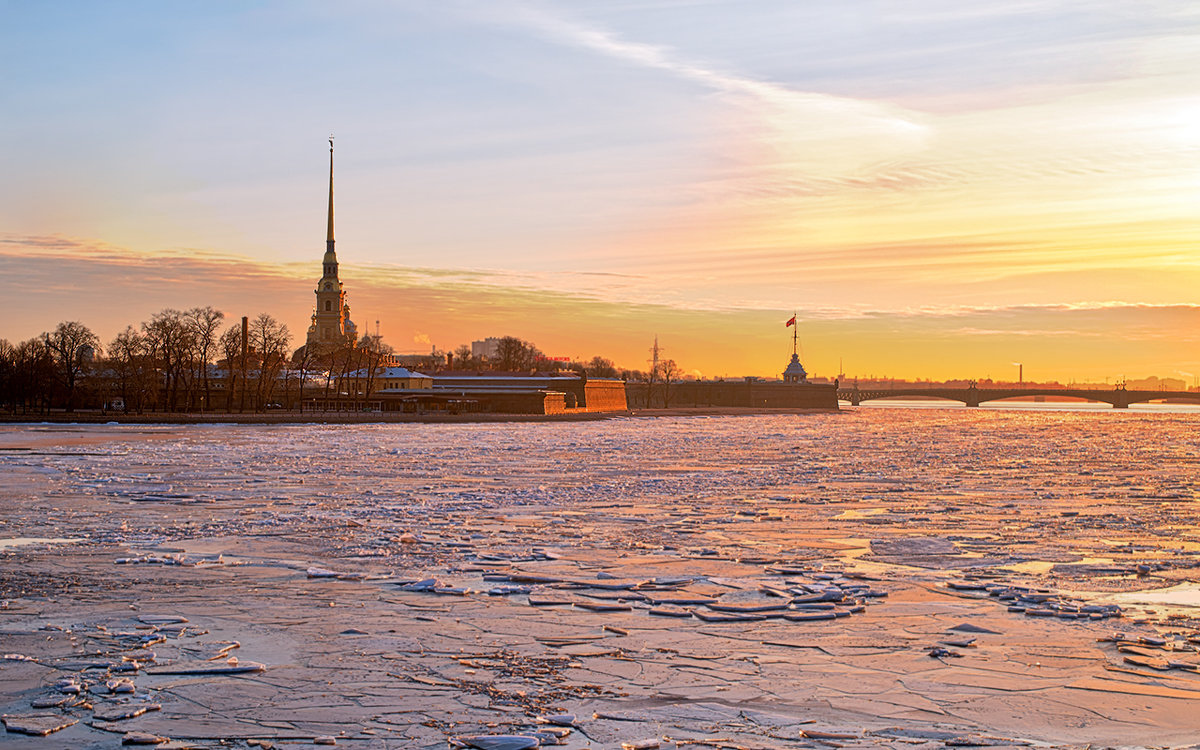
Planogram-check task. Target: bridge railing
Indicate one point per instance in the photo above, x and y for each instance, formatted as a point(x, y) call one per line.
point(1119, 397)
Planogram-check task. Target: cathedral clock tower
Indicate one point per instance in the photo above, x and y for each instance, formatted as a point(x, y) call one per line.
point(331, 324)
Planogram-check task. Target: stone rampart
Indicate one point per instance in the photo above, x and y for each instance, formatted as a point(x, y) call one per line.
point(604, 395)
point(757, 394)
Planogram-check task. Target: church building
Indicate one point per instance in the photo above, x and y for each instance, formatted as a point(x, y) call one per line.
point(331, 324)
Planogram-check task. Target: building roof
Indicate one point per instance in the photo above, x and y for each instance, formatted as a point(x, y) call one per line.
point(795, 368)
point(389, 372)
point(563, 374)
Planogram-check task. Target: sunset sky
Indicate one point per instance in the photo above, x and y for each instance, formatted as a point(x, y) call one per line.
point(939, 188)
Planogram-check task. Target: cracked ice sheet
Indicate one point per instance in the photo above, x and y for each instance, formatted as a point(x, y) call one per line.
point(633, 502)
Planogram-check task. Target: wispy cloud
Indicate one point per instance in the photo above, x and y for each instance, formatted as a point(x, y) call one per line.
point(853, 132)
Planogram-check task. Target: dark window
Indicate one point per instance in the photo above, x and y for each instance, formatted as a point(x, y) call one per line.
point(328, 306)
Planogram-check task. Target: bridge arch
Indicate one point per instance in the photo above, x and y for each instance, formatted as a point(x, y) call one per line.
point(1102, 397)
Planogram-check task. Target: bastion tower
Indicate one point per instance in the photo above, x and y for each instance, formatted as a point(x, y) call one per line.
point(331, 324)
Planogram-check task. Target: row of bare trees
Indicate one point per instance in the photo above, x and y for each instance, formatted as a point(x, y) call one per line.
point(163, 364)
point(515, 355)
point(348, 375)
point(46, 369)
point(512, 355)
point(166, 363)
point(254, 363)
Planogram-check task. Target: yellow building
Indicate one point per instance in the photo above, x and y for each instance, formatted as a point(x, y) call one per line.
point(385, 379)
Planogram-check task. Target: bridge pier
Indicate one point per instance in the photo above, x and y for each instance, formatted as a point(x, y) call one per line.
point(1121, 401)
point(972, 397)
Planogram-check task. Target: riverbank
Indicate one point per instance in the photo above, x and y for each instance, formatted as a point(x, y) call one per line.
point(332, 417)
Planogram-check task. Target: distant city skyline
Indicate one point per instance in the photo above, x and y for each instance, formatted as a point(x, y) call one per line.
point(938, 189)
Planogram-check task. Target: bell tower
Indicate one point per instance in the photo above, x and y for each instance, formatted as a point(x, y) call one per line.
point(331, 322)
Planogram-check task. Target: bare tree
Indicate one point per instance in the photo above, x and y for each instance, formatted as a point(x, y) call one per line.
point(303, 361)
point(373, 356)
point(270, 339)
point(652, 376)
point(132, 373)
point(513, 354)
point(668, 373)
point(8, 375)
point(343, 363)
point(73, 346)
point(601, 367)
point(33, 374)
point(324, 359)
point(464, 359)
point(203, 324)
point(170, 344)
point(231, 348)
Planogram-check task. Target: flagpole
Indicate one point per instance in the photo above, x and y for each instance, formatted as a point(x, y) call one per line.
point(795, 333)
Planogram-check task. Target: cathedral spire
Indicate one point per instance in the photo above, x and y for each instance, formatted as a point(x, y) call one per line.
point(329, 232)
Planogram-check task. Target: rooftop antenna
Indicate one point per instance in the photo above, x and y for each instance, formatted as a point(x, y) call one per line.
point(376, 328)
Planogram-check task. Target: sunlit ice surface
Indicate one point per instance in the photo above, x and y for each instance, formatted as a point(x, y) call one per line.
point(985, 572)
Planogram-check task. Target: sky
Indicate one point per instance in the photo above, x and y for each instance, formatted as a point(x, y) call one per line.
point(937, 189)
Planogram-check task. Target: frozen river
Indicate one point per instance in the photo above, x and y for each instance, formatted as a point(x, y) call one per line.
point(848, 456)
point(894, 575)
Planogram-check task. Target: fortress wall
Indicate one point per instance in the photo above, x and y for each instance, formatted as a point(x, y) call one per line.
point(525, 402)
point(794, 395)
point(605, 395)
point(753, 394)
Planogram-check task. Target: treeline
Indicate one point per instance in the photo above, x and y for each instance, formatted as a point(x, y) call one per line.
point(191, 360)
point(515, 355)
point(162, 364)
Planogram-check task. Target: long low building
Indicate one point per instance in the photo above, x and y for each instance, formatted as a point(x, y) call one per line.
point(578, 391)
point(397, 389)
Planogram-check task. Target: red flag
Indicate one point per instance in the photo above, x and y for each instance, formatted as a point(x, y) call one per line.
point(791, 322)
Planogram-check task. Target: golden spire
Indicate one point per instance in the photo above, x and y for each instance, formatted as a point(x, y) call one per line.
point(329, 233)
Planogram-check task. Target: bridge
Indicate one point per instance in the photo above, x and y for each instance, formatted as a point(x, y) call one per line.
point(1119, 397)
